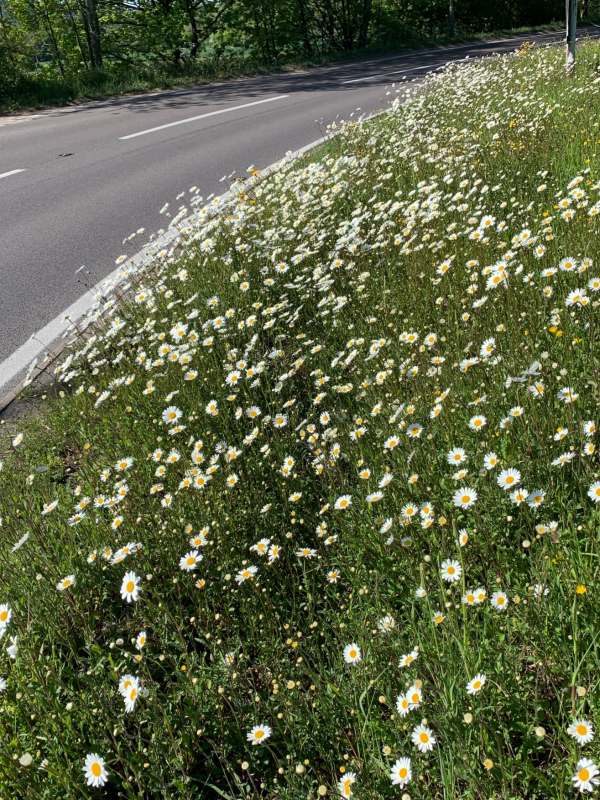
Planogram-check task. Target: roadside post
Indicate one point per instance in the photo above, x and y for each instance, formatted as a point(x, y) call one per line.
point(571, 14)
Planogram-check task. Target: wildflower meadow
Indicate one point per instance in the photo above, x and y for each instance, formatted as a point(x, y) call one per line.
point(316, 511)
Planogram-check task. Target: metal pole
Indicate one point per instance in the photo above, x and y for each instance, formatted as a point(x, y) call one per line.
point(571, 14)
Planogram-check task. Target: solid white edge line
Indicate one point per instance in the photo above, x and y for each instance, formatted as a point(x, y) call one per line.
point(11, 172)
point(202, 116)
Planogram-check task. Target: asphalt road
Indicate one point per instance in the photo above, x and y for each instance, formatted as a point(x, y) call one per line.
point(74, 182)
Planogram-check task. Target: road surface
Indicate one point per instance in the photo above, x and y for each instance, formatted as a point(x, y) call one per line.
point(74, 182)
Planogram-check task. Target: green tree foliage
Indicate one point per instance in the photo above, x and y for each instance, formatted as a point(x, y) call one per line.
point(66, 41)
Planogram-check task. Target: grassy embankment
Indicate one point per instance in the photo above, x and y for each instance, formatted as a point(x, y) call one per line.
point(38, 90)
point(298, 438)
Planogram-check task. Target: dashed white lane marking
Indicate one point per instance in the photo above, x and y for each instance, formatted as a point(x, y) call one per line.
point(11, 172)
point(203, 116)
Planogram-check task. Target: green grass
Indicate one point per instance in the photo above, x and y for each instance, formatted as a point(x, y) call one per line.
point(346, 298)
point(45, 89)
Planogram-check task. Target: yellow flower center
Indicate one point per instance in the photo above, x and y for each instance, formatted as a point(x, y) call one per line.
point(3, 616)
point(583, 774)
point(96, 769)
point(424, 737)
point(402, 772)
point(130, 586)
point(259, 734)
point(582, 730)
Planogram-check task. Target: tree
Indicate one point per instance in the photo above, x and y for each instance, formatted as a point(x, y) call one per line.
point(56, 39)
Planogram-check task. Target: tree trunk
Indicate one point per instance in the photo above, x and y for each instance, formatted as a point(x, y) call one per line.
point(54, 41)
point(76, 33)
point(365, 21)
point(93, 33)
point(451, 19)
point(329, 26)
point(304, 34)
point(191, 12)
point(347, 26)
point(258, 38)
point(271, 33)
point(571, 13)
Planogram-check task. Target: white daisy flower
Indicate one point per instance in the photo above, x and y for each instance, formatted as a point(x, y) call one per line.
point(475, 685)
point(581, 730)
point(343, 502)
point(423, 739)
point(345, 784)
point(400, 773)
point(594, 492)
point(509, 478)
point(258, 734)
point(352, 653)
point(586, 775)
point(464, 497)
point(499, 601)
point(130, 587)
point(190, 561)
point(65, 583)
point(451, 570)
point(94, 770)
point(456, 456)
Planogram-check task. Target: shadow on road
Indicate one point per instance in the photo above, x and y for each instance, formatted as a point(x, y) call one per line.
point(379, 71)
